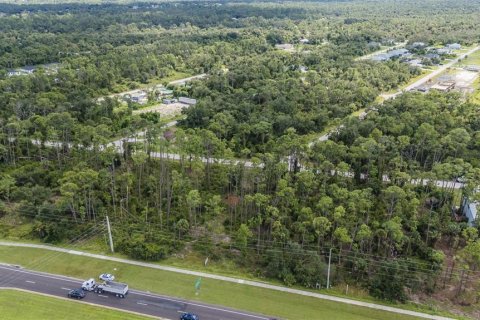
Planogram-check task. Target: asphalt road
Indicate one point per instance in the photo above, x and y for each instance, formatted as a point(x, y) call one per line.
point(137, 301)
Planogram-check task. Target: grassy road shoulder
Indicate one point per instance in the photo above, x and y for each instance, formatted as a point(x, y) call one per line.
point(285, 305)
point(40, 307)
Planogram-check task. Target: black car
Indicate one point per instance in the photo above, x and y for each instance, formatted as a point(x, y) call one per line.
point(76, 294)
point(189, 316)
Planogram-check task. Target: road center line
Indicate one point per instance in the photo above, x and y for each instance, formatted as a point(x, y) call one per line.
point(29, 281)
point(141, 303)
point(101, 295)
point(65, 289)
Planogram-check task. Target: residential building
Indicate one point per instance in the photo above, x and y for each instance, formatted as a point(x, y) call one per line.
point(169, 101)
point(139, 97)
point(304, 41)
point(415, 63)
point(381, 57)
point(418, 45)
point(472, 68)
point(432, 56)
point(444, 86)
point(397, 53)
point(469, 210)
point(23, 71)
point(187, 101)
point(454, 46)
point(444, 51)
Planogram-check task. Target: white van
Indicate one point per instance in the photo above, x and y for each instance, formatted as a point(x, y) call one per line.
point(89, 285)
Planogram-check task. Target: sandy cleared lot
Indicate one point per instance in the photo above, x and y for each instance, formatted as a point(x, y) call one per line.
point(172, 109)
point(465, 78)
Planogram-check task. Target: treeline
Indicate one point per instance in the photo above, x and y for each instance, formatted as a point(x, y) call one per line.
point(182, 189)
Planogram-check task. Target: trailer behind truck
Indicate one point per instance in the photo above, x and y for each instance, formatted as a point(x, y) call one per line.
point(118, 289)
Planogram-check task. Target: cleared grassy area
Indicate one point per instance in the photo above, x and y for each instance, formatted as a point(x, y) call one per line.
point(29, 306)
point(270, 302)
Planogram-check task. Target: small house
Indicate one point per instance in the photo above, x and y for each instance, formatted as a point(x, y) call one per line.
point(23, 71)
point(444, 86)
point(397, 53)
point(472, 68)
point(418, 45)
point(381, 57)
point(304, 41)
point(454, 46)
point(415, 63)
point(28, 69)
point(432, 56)
point(444, 51)
point(187, 101)
point(169, 101)
point(139, 97)
point(469, 210)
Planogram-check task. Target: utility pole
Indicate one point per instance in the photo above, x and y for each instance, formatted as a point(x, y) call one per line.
point(328, 272)
point(109, 235)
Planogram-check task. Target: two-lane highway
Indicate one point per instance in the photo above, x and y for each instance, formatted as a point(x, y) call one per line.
point(136, 301)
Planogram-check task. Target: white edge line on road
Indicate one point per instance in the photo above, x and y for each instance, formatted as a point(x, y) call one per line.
point(139, 293)
point(221, 278)
point(200, 305)
point(84, 302)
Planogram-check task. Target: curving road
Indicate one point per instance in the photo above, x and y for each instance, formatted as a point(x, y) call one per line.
point(146, 303)
point(410, 87)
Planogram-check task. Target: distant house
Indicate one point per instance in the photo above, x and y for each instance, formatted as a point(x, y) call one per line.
point(472, 68)
point(12, 73)
point(415, 63)
point(422, 89)
point(163, 92)
point(23, 71)
point(418, 45)
point(304, 41)
point(432, 56)
point(444, 86)
point(139, 97)
point(454, 46)
point(469, 210)
point(381, 57)
point(444, 51)
point(169, 101)
point(28, 69)
point(398, 53)
point(187, 101)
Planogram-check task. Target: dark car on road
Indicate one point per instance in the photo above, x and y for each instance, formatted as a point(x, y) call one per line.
point(76, 294)
point(189, 316)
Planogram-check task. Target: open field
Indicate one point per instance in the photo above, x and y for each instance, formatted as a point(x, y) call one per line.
point(285, 305)
point(40, 307)
point(165, 110)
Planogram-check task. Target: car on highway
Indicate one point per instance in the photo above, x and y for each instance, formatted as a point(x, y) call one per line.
point(107, 277)
point(189, 316)
point(76, 294)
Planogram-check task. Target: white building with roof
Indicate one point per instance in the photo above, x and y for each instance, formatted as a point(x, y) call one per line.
point(470, 210)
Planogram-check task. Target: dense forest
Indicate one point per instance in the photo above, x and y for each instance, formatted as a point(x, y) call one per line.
point(239, 178)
